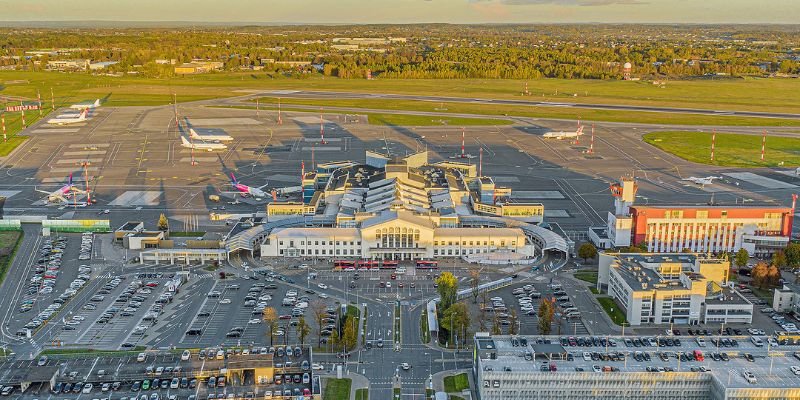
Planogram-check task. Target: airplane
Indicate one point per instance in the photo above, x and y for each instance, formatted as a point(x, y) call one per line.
point(702, 181)
point(66, 119)
point(564, 135)
point(202, 145)
point(211, 136)
point(85, 106)
point(245, 190)
point(61, 194)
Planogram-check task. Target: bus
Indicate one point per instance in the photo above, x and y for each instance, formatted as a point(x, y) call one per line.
point(426, 264)
point(787, 338)
point(389, 264)
point(339, 265)
point(364, 265)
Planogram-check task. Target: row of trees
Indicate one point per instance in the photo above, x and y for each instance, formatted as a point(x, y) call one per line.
point(430, 51)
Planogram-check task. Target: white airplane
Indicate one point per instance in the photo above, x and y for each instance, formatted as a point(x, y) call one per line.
point(564, 135)
point(702, 181)
point(211, 136)
point(61, 194)
point(202, 145)
point(85, 105)
point(245, 190)
point(66, 119)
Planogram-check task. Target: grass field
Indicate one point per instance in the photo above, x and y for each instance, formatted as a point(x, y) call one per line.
point(731, 150)
point(372, 105)
point(730, 94)
point(587, 276)
point(612, 309)
point(336, 389)
point(9, 242)
point(456, 383)
point(14, 126)
point(362, 394)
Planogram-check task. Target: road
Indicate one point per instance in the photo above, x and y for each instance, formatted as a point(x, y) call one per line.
point(509, 102)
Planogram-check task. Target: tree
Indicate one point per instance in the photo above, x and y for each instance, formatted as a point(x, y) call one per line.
point(349, 336)
point(163, 223)
point(514, 320)
point(779, 259)
point(270, 318)
point(773, 275)
point(496, 326)
point(546, 313)
point(474, 279)
point(448, 286)
point(587, 250)
point(455, 319)
point(302, 329)
point(759, 274)
point(318, 311)
point(741, 258)
point(793, 255)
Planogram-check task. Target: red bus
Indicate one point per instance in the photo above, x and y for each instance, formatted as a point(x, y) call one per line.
point(389, 264)
point(368, 264)
point(342, 264)
point(425, 264)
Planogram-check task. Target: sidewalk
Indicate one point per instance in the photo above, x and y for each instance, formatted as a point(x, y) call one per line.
point(358, 381)
point(438, 380)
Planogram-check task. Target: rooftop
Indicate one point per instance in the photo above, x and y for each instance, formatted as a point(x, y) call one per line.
point(772, 369)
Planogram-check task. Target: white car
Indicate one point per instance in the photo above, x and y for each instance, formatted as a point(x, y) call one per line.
point(186, 355)
point(225, 301)
point(587, 356)
point(87, 388)
point(405, 366)
point(323, 296)
point(322, 286)
point(795, 369)
point(317, 367)
point(749, 377)
point(254, 321)
point(141, 357)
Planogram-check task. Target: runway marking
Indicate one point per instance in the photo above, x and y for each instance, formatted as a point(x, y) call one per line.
point(56, 130)
point(316, 148)
point(83, 153)
point(68, 170)
point(506, 179)
point(137, 198)
point(224, 121)
point(318, 139)
point(556, 214)
point(311, 120)
point(198, 159)
point(759, 180)
point(83, 146)
point(78, 160)
point(8, 193)
point(537, 194)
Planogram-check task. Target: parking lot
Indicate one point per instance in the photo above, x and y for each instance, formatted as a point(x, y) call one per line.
point(218, 373)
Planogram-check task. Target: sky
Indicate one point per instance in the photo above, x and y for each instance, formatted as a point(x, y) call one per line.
point(407, 11)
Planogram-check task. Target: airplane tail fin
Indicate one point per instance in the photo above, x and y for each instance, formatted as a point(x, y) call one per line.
point(97, 103)
point(70, 179)
point(233, 179)
point(185, 142)
point(83, 114)
point(193, 133)
point(580, 130)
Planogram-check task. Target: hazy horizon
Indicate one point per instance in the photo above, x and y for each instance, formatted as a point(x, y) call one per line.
point(303, 12)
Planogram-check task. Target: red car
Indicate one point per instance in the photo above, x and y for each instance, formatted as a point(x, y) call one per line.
point(394, 276)
point(151, 284)
point(285, 316)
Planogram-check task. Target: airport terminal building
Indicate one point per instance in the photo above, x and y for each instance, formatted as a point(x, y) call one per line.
point(404, 208)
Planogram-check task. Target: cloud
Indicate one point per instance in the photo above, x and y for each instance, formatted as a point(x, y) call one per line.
point(560, 2)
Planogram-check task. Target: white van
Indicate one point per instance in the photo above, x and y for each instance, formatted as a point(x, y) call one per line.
point(757, 341)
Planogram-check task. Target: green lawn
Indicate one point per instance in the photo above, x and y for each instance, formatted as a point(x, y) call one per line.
point(730, 150)
point(77, 352)
point(594, 290)
point(612, 309)
point(764, 294)
point(456, 383)
point(396, 393)
point(531, 111)
point(453, 397)
point(336, 389)
point(9, 243)
point(423, 327)
point(587, 276)
point(362, 394)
